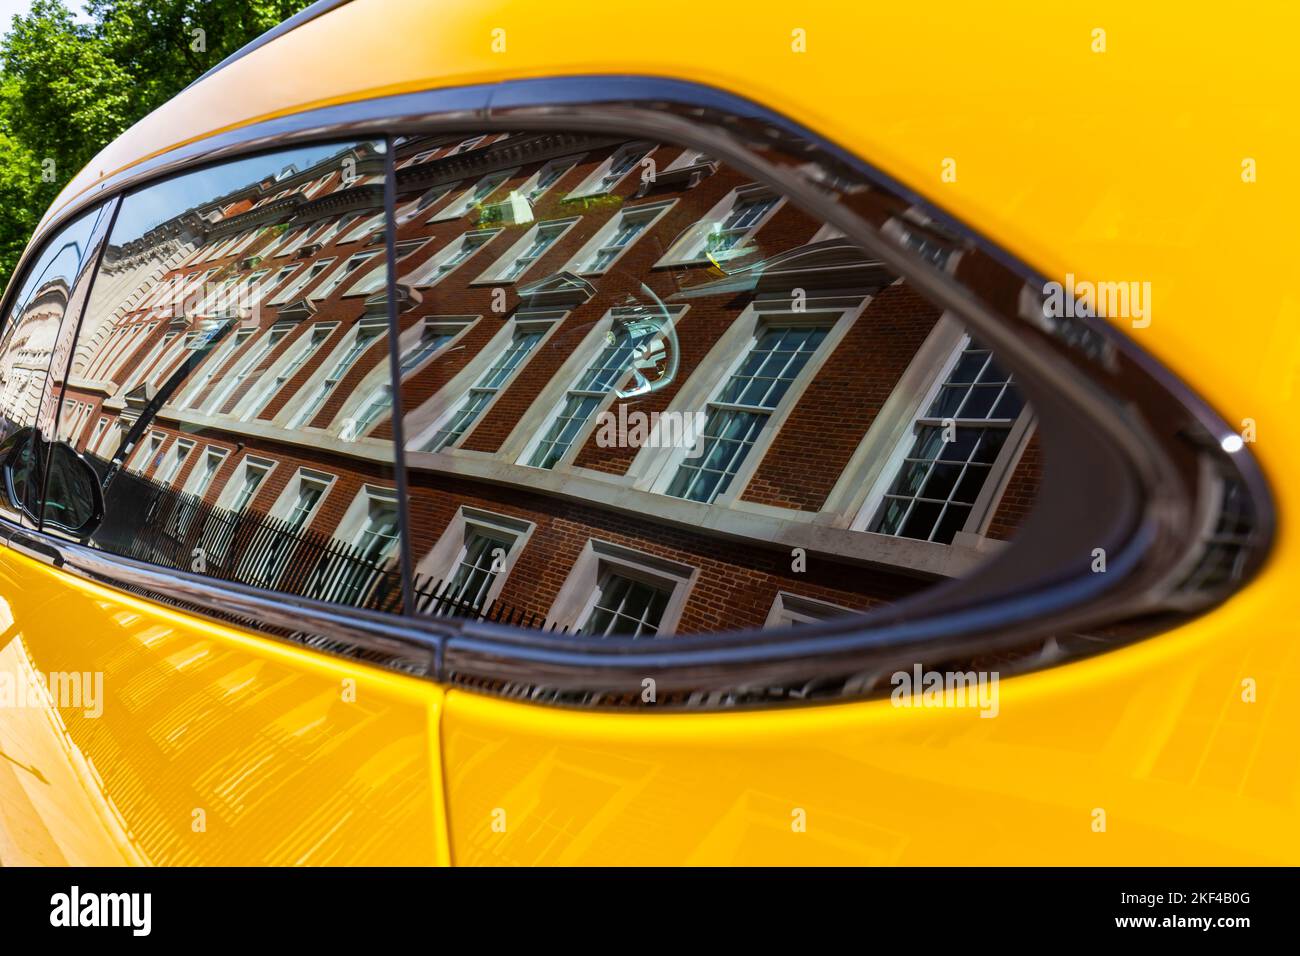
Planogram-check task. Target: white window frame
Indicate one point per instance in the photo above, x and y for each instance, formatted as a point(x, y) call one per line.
point(556, 393)
point(982, 509)
point(174, 461)
point(487, 359)
point(269, 563)
point(790, 609)
point(444, 558)
point(193, 482)
point(691, 247)
point(331, 372)
point(529, 188)
point(424, 276)
point(657, 467)
point(97, 436)
point(495, 274)
point(577, 597)
point(288, 365)
point(146, 451)
point(263, 346)
point(215, 361)
point(470, 198)
point(598, 182)
point(368, 225)
point(306, 277)
point(409, 343)
point(234, 485)
point(584, 260)
point(341, 272)
point(424, 202)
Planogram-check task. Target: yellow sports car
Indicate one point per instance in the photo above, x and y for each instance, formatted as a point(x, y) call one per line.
point(484, 434)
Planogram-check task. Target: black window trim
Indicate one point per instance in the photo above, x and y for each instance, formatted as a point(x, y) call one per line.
point(741, 667)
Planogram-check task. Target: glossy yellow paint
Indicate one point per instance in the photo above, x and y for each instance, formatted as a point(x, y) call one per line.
point(204, 746)
point(1117, 165)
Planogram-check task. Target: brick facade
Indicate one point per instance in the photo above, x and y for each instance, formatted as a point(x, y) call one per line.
point(797, 481)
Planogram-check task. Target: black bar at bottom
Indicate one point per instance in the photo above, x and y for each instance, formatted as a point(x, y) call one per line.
point(653, 906)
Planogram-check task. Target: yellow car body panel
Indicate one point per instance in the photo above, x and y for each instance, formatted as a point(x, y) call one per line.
point(1124, 163)
point(210, 747)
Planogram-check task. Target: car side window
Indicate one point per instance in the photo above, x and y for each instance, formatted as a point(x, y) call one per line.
point(34, 337)
point(229, 381)
point(645, 394)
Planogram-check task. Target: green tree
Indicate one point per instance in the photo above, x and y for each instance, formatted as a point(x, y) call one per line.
point(68, 88)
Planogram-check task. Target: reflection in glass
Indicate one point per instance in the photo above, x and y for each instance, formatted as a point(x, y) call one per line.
point(30, 340)
point(225, 378)
point(645, 395)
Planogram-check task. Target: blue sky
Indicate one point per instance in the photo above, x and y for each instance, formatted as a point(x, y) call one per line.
point(10, 7)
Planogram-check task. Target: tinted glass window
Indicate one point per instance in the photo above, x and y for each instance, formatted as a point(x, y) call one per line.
point(644, 394)
point(34, 337)
point(230, 381)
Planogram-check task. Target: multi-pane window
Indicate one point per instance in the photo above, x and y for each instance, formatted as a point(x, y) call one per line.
point(199, 483)
point(465, 145)
point(477, 567)
point(149, 451)
point(343, 271)
point(377, 403)
point(544, 236)
point(547, 177)
point(954, 445)
point(432, 338)
point(270, 562)
point(212, 460)
point(373, 544)
point(623, 231)
point(581, 402)
point(311, 343)
point(237, 377)
point(274, 282)
point(416, 206)
point(176, 461)
point(742, 407)
point(364, 228)
point(212, 365)
point(472, 197)
point(250, 480)
point(619, 166)
point(448, 259)
point(485, 389)
point(747, 213)
point(365, 337)
point(625, 607)
point(308, 275)
point(100, 427)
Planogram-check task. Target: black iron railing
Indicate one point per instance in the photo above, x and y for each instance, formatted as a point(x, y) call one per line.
point(151, 521)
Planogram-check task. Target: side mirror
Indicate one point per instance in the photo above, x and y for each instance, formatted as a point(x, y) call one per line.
point(74, 501)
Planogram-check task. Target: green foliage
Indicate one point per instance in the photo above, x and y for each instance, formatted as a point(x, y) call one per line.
point(68, 88)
